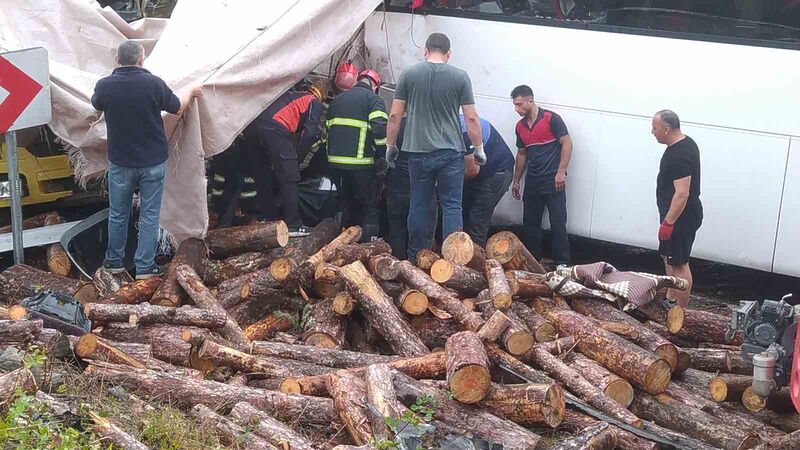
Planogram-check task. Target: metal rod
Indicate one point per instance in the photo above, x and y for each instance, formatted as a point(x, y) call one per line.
point(16, 197)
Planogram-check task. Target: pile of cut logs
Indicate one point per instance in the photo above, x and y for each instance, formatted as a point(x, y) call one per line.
point(264, 338)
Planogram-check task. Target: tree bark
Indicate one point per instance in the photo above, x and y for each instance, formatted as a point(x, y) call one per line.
point(466, 281)
point(36, 221)
point(612, 385)
point(253, 310)
point(185, 392)
point(467, 367)
point(527, 404)
point(384, 267)
point(140, 291)
point(626, 440)
point(343, 303)
point(267, 427)
point(257, 237)
point(326, 357)
point(350, 253)
point(494, 327)
point(704, 326)
point(465, 417)
point(727, 387)
point(191, 252)
point(625, 359)
point(295, 254)
point(20, 281)
point(107, 283)
point(349, 394)
point(257, 365)
point(656, 311)
point(516, 339)
point(19, 331)
point(58, 261)
point(381, 400)
point(647, 339)
point(268, 326)
point(258, 285)
point(89, 346)
point(557, 347)
point(380, 310)
point(600, 436)
point(499, 290)
point(304, 274)
point(778, 401)
point(231, 433)
point(217, 272)
point(541, 329)
point(788, 442)
point(324, 328)
point(191, 282)
point(326, 282)
point(717, 360)
point(21, 378)
point(509, 251)
point(147, 313)
point(426, 257)
point(433, 331)
point(412, 301)
point(165, 340)
point(459, 249)
point(111, 433)
point(529, 285)
point(673, 414)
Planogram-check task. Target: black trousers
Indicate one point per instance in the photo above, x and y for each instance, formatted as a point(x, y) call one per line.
point(480, 199)
point(357, 196)
point(273, 158)
point(540, 194)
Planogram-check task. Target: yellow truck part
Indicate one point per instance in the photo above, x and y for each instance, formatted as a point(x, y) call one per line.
point(44, 178)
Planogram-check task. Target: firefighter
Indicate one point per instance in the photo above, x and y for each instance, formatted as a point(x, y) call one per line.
point(232, 184)
point(273, 155)
point(356, 148)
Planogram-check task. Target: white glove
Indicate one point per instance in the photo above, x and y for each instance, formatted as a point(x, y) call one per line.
point(392, 153)
point(480, 155)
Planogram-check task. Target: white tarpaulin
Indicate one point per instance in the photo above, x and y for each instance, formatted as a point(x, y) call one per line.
point(245, 53)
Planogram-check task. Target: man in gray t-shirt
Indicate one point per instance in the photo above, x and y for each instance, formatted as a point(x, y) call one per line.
point(432, 93)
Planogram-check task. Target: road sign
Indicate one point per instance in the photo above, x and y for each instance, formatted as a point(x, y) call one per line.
point(24, 89)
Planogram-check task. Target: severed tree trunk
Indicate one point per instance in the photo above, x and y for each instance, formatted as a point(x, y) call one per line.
point(58, 261)
point(459, 249)
point(147, 313)
point(256, 285)
point(779, 401)
point(191, 252)
point(384, 267)
point(725, 387)
point(600, 436)
point(349, 393)
point(107, 283)
point(541, 329)
point(165, 340)
point(268, 326)
point(19, 331)
point(10, 382)
point(461, 278)
point(323, 356)
point(20, 281)
point(516, 339)
point(576, 421)
point(382, 401)
point(267, 427)
point(647, 339)
point(426, 257)
point(324, 328)
point(412, 301)
point(304, 274)
point(296, 253)
point(788, 442)
point(140, 291)
point(252, 310)
point(113, 434)
point(257, 365)
point(257, 237)
point(625, 359)
point(467, 367)
point(89, 346)
point(349, 253)
point(191, 282)
point(326, 281)
point(231, 433)
point(558, 347)
point(494, 327)
point(612, 385)
point(434, 332)
point(718, 360)
point(219, 271)
point(380, 310)
point(4, 313)
point(509, 251)
point(527, 404)
point(343, 303)
point(499, 290)
point(529, 285)
point(37, 221)
point(702, 326)
point(656, 311)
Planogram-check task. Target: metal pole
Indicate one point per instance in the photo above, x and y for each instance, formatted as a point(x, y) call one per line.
point(16, 193)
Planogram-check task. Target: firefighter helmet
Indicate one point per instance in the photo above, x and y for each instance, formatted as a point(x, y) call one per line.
point(372, 75)
point(346, 75)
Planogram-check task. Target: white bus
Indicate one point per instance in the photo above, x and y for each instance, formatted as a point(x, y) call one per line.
point(732, 73)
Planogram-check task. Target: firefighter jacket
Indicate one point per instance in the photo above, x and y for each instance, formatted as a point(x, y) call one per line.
point(296, 113)
point(356, 128)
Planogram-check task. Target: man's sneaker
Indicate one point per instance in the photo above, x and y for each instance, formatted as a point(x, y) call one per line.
point(113, 267)
point(155, 271)
point(298, 231)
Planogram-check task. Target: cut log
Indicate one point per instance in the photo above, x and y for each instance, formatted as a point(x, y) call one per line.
point(304, 274)
point(612, 385)
point(559, 346)
point(257, 237)
point(509, 251)
point(426, 257)
point(349, 253)
point(412, 301)
point(590, 392)
point(499, 290)
point(4, 313)
point(107, 283)
point(461, 278)
point(231, 433)
point(185, 392)
point(541, 329)
point(684, 362)
point(20, 281)
point(58, 261)
point(217, 272)
point(147, 313)
point(251, 311)
point(430, 366)
point(656, 311)
point(717, 360)
point(516, 339)
point(703, 326)
point(529, 285)
point(343, 303)
point(494, 327)
point(19, 331)
point(788, 423)
point(788, 442)
point(324, 328)
point(269, 326)
point(323, 356)
point(459, 249)
point(384, 267)
point(112, 434)
point(467, 367)
point(11, 382)
point(257, 365)
point(267, 427)
point(380, 310)
point(36, 221)
point(191, 282)
point(139, 291)
point(434, 331)
point(527, 404)
point(670, 413)
point(191, 252)
point(295, 254)
point(645, 338)
point(626, 440)
point(382, 401)
point(256, 285)
point(55, 344)
point(600, 436)
point(631, 362)
point(778, 401)
point(165, 340)
point(727, 387)
point(326, 281)
point(349, 393)
point(90, 346)
point(464, 417)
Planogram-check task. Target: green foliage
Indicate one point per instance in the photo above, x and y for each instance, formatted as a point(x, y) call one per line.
point(34, 357)
point(166, 428)
point(422, 411)
point(291, 317)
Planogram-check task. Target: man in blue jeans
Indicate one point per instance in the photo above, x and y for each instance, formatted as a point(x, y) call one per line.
point(131, 98)
point(432, 92)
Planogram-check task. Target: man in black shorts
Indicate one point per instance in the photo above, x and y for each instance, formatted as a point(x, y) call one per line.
point(678, 199)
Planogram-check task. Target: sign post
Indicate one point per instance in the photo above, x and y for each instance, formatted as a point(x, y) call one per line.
point(24, 103)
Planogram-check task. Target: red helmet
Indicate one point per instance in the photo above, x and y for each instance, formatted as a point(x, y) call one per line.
point(346, 76)
point(372, 75)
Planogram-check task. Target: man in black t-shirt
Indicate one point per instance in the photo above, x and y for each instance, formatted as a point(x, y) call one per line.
point(678, 199)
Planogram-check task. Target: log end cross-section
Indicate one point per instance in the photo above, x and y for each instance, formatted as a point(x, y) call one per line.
point(467, 367)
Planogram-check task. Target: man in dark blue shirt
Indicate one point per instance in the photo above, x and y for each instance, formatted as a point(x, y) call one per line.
point(485, 185)
point(131, 99)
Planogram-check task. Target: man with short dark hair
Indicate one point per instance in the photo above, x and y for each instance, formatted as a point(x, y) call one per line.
point(433, 92)
point(131, 98)
point(678, 198)
point(544, 149)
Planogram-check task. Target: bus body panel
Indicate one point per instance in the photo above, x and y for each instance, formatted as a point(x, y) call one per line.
point(787, 246)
